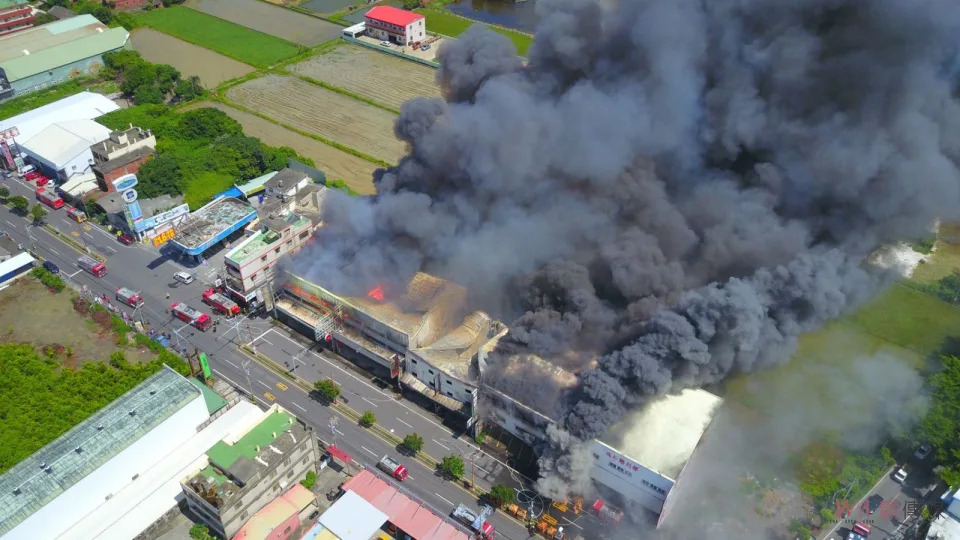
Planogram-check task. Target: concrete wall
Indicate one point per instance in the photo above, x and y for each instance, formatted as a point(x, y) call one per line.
point(83, 497)
point(105, 181)
point(436, 379)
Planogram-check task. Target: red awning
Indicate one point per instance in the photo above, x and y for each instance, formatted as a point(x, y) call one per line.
point(339, 454)
point(598, 505)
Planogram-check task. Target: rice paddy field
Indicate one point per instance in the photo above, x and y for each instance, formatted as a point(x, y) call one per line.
point(189, 59)
point(272, 20)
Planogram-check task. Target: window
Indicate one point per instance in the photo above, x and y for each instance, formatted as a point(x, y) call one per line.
point(263, 259)
point(305, 459)
point(290, 473)
point(275, 251)
point(449, 394)
point(289, 243)
point(433, 383)
point(304, 235)
point(414, 373)
point(412, 360)
point(430, 371)
point(449, 382)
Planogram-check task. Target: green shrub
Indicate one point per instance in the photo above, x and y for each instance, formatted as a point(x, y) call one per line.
point(309, 480)
point(49, 280)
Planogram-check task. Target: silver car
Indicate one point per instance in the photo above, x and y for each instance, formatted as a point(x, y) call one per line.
point(183, 277)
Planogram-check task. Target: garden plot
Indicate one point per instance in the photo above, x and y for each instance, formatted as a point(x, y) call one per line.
point(355, 171)
point(328, 114)
point(371, 74)
point(289, 25)
point(189, 59)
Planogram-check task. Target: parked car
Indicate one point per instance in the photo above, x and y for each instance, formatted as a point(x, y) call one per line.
point(922, 451)
point(7, 174)
point(183, 277)
point(50, 267)
point(42, 181)
point(901, 474)
point(125, 239)
point(384, 43)
point(873, 503)
point(425, 47)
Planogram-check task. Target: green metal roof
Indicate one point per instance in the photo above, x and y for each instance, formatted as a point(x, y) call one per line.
point(224, 455)
point(255, 186)
point(213, 400)
point(11, 3)
point(51, 58)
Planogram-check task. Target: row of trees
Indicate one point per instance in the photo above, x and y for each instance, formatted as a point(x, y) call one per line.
point(19, 204)
point(148, 83)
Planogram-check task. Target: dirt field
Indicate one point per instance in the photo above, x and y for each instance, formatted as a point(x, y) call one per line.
point(29, 313)
point(355, 171)
point(383, 78)
point(212, 68)
point(313, 109)
point(283, 23)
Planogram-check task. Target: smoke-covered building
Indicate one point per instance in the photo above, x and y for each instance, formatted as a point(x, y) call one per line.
point(431, 342)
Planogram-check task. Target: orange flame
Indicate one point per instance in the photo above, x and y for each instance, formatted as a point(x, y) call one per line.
point(376, 293)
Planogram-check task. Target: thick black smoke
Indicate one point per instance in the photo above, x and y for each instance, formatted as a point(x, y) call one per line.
point(679, 188)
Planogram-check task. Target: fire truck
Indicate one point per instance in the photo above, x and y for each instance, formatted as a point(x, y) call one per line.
point(129, 297)
point(476, 521)
point(391, 467)
point(92, 265)
point(606, 512)
point(49, 198)
point(77, 215)
point(187, 314)
point(221, 303)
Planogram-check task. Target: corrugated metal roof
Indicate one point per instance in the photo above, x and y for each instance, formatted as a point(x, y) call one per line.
point(10, 3)
point(64, 141)
point(80, 106)
point(72, 23)
point(352, 518)
point(61, 54)
point(43, 37)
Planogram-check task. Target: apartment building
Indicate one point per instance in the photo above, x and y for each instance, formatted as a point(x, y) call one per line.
point(15, 15)
point(243, 475)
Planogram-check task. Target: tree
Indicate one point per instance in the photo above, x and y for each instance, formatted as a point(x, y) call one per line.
point(368, 419)
point(414, 442)
point(207, 124)
point(199, 532)
point(501, 494)
point(328, 389)
point(452, 466)
point(411, 5)
point(189, 88)
point(43, 18)
point(939, 426)
point(19, 203)
point(158, 176)
point(38, 213)
point(800, 529)
point(4, 193)
point(309, 480)
point(148, 93)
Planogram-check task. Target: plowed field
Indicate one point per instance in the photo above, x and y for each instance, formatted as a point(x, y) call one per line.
point(212, 68)
point(377, 76)
point(316, 110)
point(283, 23)
point(356, 172)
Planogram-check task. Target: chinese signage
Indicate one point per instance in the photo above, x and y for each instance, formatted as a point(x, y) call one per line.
point(162, 238)
point(622, 474)
point(204, 365)
point(9, 133)
point(161, 218)
point(125, 182)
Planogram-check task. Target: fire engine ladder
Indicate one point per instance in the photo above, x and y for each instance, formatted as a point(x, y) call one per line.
point(330, 323)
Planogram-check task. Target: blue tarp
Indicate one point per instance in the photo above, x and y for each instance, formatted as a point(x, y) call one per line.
point(232, 192)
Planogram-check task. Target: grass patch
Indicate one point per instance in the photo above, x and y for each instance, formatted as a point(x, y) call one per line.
point(909, 318)
point(944, 260)
point(237, 42)
point(201, 189)
point(43, 97)
point(448, 24)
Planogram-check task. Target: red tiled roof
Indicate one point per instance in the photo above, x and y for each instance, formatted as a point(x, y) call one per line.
point(410, 516)
point(392, 15)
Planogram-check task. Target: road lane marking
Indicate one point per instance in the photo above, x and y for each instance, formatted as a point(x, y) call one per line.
point(265, 384)
point(444, 498)
point(441, 444)
point(88, 235)
point(269, 396)
point(75, 273)
point(10, 224)
point(299, 407)
point(368, 450)
point(368, 401)
point(282, 386)
point(231, 363)
point(54, 252)
point(404, 423)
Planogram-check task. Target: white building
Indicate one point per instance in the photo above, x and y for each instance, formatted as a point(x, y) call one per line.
point(946, 526)
point(81, 106)
point(395, 25)
point(117, 472)
point(62, 150)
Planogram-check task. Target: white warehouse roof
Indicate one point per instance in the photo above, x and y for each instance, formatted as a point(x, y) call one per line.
point(62, 142)
point(353, 518)
point(81, 106)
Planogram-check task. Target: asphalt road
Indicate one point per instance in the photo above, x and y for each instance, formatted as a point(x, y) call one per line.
point(142, 268)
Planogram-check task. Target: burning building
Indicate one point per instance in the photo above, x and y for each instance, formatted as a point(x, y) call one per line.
point(431, 343)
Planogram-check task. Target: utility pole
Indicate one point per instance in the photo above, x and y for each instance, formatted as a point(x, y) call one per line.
point(246, 369)
point(333, 428)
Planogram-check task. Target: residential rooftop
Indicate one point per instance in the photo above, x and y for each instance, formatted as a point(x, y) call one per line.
point(262, 241)
point(56, 467)
point(118, 140)
point(233, 466)
point(123, 160)
point(46, 47)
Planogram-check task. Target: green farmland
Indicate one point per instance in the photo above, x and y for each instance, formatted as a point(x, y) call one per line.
point(452, 25)
point(237, 42)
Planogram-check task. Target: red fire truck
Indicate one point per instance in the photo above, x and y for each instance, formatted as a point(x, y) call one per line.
point(92, 265)
point(187, 314)
point(129, 297)
point(221, 303)
point(606, 512)
point(49, 198)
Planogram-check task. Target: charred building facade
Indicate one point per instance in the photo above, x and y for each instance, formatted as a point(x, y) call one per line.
point(428, 341)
